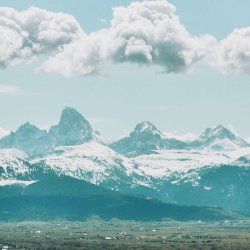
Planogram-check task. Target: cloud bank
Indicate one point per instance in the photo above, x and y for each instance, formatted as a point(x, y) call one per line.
point(147, 33)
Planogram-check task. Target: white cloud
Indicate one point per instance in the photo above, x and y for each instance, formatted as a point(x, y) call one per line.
point(233, 53)
point(32, 32)
point(150, 32)
point(147, 32)
point(81, 57)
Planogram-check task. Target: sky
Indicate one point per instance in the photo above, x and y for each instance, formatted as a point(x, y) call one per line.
point(183, 82)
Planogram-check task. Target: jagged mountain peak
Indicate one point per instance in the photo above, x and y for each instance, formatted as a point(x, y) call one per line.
point(71, 115)
point(146, 127)
point(27, 127)
point(219, 138)
point(145, 139)
point(70, 112)
point(73, 128)
point(217, 130)
point(27, 138)
point(219, 127)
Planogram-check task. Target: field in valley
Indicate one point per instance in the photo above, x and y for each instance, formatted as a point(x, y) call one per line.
point(116, 234)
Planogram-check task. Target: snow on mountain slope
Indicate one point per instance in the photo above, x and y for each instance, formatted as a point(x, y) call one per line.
point(147, 128)
point(218, 139)
point(29, 139)
point(241, 158)
point(15, 182)
point(13, 164)
point(98, 164)
point(223, 144)
point(94, 163)
point(188, 137)
point(12, 152)
point(166, 162)
point(143, 140)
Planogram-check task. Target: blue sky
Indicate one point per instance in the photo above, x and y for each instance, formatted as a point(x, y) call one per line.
point(130, 93)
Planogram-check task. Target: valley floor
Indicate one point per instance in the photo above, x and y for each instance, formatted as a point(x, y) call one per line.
point(115, 234)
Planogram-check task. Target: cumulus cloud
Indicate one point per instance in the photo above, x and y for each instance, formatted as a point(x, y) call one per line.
point(81, 57)
point(32, 32)
point(233, 53)
point(151, 32)
point(147, 32)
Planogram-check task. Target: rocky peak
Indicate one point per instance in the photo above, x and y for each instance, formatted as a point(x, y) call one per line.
point(73, 128)
point(146, 128)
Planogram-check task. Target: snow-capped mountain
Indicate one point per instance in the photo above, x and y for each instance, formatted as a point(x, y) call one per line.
point(14, 168)
point(72, 129)
point(170, 175)
point(95, 163)
point(28, 138)
point(145, 162)
point(218, 138)
point(145, 139)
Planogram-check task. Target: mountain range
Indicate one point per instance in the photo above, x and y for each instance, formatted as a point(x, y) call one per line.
point(72, 129)
point(144, 168)
point(146, 138)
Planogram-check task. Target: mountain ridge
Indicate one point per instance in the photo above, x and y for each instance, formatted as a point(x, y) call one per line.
point(143, 163)
point(75, 129)
point(213, 138)
point(72, 129)
point(56, 197)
